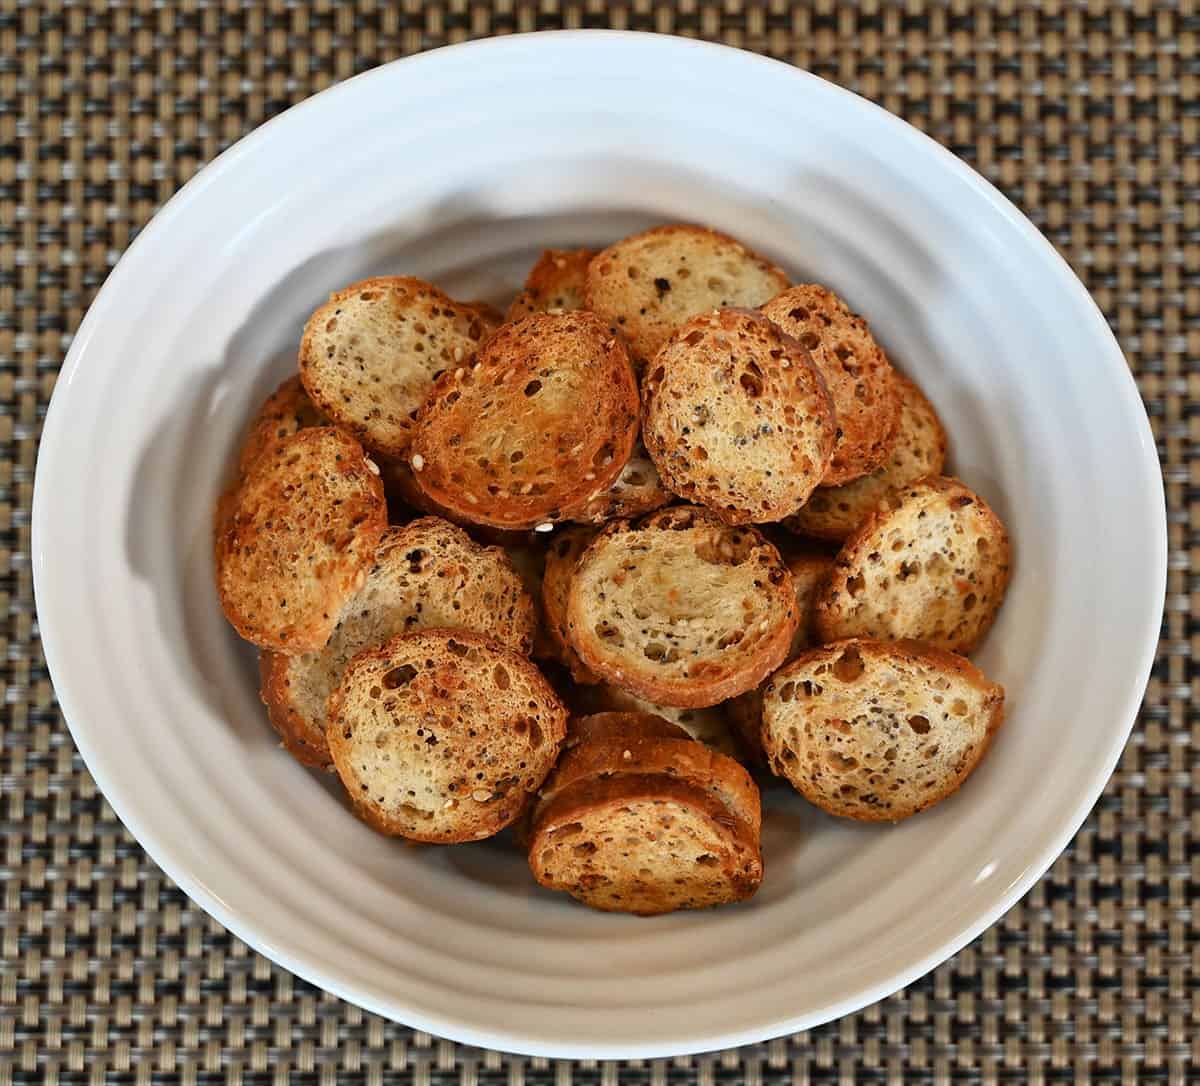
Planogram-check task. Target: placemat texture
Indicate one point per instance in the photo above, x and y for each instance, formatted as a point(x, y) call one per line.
point(1084, 113)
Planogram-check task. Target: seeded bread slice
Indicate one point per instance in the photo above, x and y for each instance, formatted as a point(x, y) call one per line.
point(737, 418)
point(650, 283)
point(294, 540)
point(810, 570)
point(555, 284)
point(856, 372)
point(545, 417)
point(931, 563)
point(442, 735)
point(878, 730)
point(637, 491)
point(428, 573)
point(708, 725)
point(643, 844)
point(629, 751)
point(561, 558)
point(680, 608)
point(833, 512)
point(369, 356)
point(286, 410)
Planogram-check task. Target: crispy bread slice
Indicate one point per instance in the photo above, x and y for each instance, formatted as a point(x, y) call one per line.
point(545, 417)
point(833, 512)
point(931, 563)
point(681, 609)
point(857, 374)
point(737, 418)
point(294, 540)
point(637, 491)
point(441, 735)
point(650, 283)
point(428, 573)
point(369, 356)
point(555, 284)
point(878, 730)
point(286, 410)
point(643, 844)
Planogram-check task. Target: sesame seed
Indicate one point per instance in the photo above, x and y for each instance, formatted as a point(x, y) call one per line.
point(372, 467)
point(458, 354)
point(418, 462)
point(480, 796)
point(544, 528)
point(458, 373)
point(627, 755)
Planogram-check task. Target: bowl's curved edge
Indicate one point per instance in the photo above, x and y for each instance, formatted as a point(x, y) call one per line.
point(530, 1043)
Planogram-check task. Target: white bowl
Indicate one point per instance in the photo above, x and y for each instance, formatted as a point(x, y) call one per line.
point(460, 165)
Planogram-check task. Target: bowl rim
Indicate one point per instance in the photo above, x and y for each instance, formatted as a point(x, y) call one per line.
point(525, 1038)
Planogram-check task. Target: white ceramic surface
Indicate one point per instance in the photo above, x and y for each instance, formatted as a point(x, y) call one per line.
point(460, 165)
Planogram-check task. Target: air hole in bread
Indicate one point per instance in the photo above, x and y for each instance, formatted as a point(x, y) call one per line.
point(460, 650)
point(855, 584)
point(398, 677)
point(840, 763)
point(753, 385)
point(500, 677)
point(919, 724)
point(849, 666)
point(969, 601)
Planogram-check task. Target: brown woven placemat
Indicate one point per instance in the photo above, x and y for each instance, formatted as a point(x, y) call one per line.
point(1086, 114)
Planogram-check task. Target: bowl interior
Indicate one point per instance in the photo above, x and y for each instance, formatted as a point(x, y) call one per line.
point(460, 167)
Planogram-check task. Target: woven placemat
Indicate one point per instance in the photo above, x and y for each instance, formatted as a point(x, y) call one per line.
point(1086, 114)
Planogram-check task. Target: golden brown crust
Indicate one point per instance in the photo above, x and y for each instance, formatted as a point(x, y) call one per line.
point(856, 372)
point(833, 512)
point(507, 441)
point(931, 563)
point(285, 411)
point(440, 735)
point(737, 418)
point(555, 283)
point(643, 603)
point(294, 540)
point(727, 869)
point(369, 356)
point(865, 786)
point(648, 284)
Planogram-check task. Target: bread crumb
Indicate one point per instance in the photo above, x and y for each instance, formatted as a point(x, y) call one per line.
point(418, 462)
point(480, 796)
